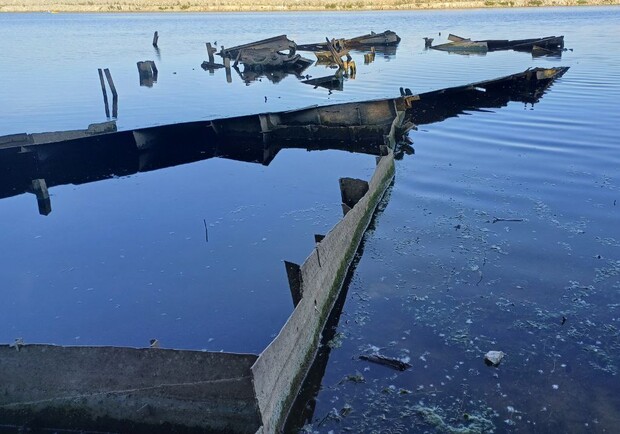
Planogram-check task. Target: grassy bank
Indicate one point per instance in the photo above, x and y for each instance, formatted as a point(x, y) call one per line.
point(273, 5)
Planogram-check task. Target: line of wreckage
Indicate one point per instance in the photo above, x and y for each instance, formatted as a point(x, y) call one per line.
point(357, 127)
point(279, 52)
point(548, 45)
point(197, 391)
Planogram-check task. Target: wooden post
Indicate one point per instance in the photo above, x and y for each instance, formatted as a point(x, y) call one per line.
point(114, 94)
point(337, 59)
point(210, 51)
point(155, 38)
point(39, 187)
point(227, 66)
point(237, 58)
point(147, 72)
point(105, 94)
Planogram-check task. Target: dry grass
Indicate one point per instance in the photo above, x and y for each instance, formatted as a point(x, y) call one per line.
point(272, 5)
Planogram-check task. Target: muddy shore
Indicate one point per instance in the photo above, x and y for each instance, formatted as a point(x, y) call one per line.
point(274, 5)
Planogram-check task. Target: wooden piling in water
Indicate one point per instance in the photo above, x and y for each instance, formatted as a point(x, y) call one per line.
point(210, 51)
point(147, 72)
point(105, 94)
point(114, 93)
point(228, 72)
point(155, 39)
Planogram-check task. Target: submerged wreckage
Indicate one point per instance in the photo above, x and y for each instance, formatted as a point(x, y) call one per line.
point(279, 52)
point(155, 389)
point(457, 44)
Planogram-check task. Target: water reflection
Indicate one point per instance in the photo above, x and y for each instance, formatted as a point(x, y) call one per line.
point(439, 105)
point(387, 51)
point(34, 169)
point(357, 127)
point(250, 75)
point(330, 82)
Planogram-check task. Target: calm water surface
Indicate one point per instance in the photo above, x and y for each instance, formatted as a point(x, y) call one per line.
point(124, 260)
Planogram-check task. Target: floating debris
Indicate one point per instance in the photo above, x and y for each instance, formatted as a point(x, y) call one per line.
point(19, 342)
point(386, 361)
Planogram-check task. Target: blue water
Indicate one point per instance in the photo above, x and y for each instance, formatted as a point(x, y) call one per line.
point(125, 260)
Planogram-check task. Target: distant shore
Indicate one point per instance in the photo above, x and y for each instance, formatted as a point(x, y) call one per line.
point(275, 5)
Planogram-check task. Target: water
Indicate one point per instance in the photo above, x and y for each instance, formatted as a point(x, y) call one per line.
point(124, 260)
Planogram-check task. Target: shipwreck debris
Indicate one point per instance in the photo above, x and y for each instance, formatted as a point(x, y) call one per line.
point(267, 59)
point(390, 362)
point(108, 76)
point(213, 391)
point(210, 65)
point(384, 39)
point(458, 44)
point(147, 70)
point(277, 52)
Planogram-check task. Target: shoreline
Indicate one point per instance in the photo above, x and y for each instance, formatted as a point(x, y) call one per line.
point(90, 6)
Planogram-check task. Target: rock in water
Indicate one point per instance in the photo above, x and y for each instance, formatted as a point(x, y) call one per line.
point(493, 358)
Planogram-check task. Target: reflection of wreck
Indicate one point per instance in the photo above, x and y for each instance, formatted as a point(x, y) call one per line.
point(272, 53)
point(90, 159)
point(461, 45)
point(155, 390)
point(329, 82)
point(526, 87)
point(250, 75)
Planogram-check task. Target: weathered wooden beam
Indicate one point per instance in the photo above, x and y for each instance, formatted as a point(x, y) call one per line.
point(228, 72)
point(114, 93)
point(210, 51)
point(147, 72)
point(155, 39)
point(293, 271)
point(105, 93)
point(335, 55)
point(39, 188)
